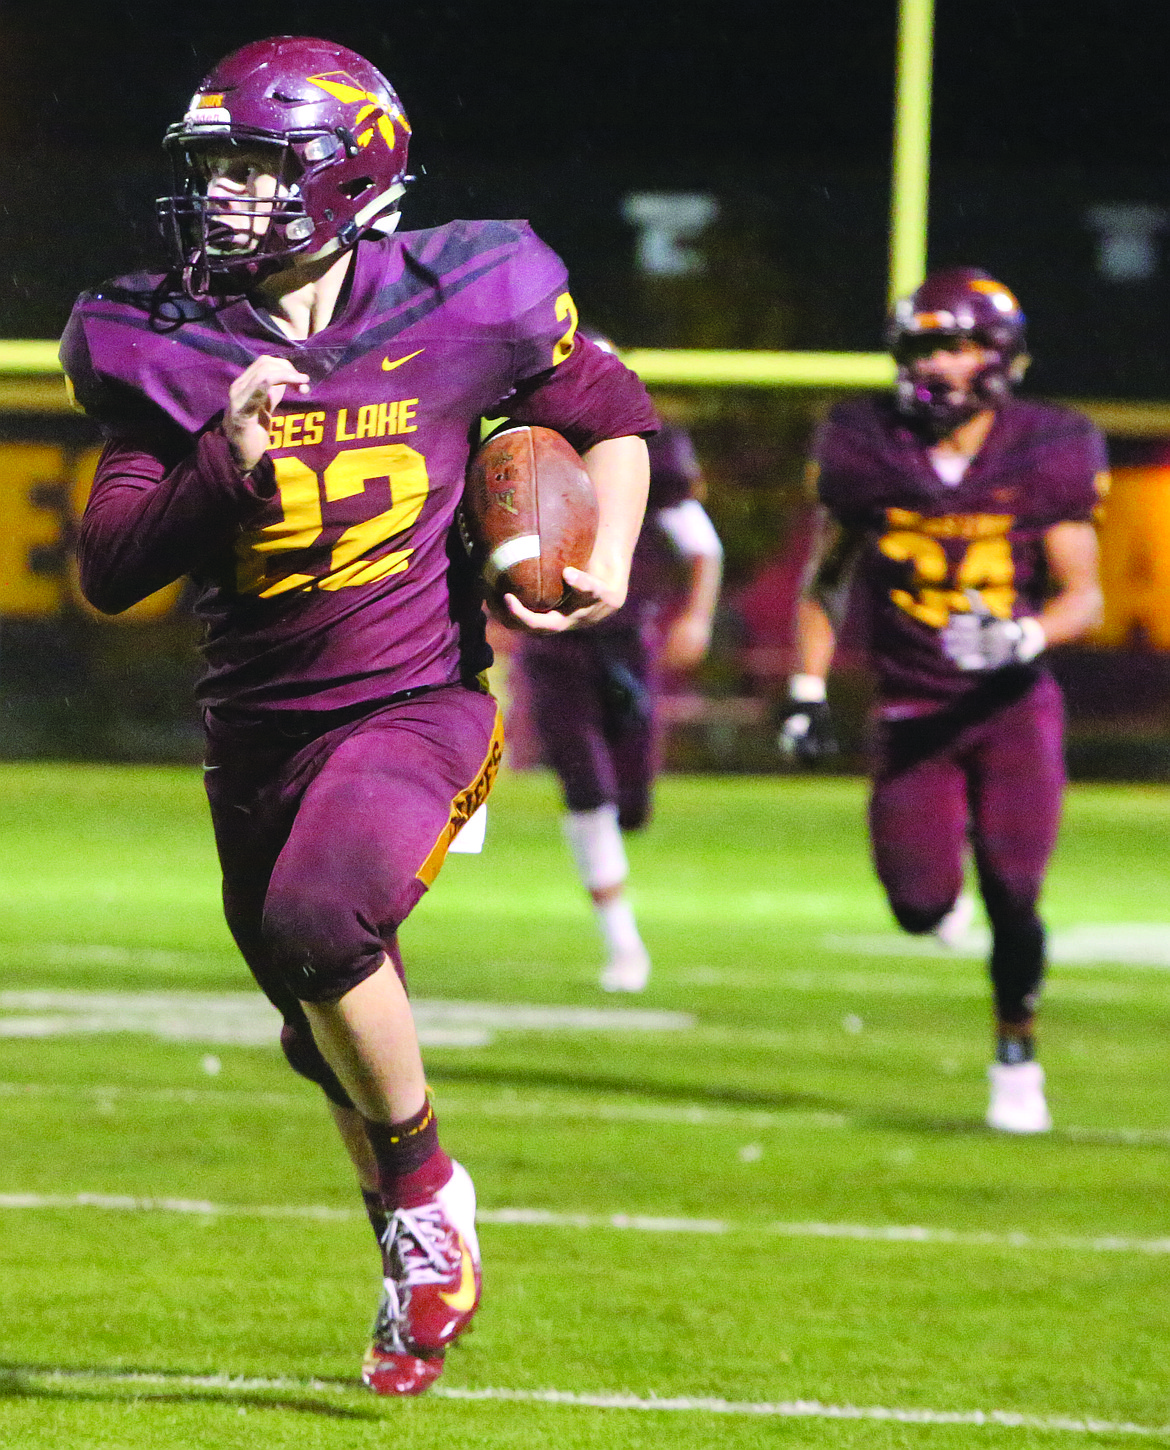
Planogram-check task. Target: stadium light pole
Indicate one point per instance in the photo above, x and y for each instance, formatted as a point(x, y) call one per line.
point(910, 177)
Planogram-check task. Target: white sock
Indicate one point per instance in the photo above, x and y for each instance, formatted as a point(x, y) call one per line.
point(595, 839)
point(618, 927)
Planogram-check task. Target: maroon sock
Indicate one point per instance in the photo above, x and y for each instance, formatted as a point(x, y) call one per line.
point(377, 1215)
point(411, 1165)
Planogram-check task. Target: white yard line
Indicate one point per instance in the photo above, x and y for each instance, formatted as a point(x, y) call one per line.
point(246, 1018)
point(810, 1410)
point(1075, 1423)
point(1144, 945)
point(200, 1207)
point(684, 1115)
point(635, 1222)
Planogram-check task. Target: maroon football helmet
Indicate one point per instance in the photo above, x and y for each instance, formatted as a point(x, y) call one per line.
point(960, 303)
point(338, 137)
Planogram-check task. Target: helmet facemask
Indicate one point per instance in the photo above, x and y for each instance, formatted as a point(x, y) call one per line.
point(204, 219)
point(934, 400)
point(201, 223)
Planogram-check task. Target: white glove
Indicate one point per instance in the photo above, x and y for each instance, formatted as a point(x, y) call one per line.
point(979, 640)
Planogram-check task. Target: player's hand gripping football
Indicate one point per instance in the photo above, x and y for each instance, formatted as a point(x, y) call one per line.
point(252, 399)
point(592, 599)
point(804, 726)
point(980, 640)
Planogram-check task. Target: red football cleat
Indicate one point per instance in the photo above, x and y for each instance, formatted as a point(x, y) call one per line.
point(394, 1372)
point(431, 1288)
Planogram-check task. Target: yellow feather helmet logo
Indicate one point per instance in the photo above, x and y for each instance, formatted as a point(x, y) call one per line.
point(371, 115)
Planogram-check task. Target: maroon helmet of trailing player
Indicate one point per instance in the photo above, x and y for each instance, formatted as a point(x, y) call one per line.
point(318, 117)
point(959, 304)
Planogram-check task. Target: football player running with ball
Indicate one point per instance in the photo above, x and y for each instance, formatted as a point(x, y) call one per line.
point(288, 416)
point(964, 517)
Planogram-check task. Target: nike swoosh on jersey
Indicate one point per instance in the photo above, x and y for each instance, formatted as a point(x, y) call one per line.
point(463, 1298)
point(388, 366)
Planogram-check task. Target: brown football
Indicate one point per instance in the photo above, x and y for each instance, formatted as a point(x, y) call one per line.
point(529, 510)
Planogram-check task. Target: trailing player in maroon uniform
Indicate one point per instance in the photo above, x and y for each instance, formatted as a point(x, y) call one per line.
point(289, 416)
point(965, 517)
point(592, 696)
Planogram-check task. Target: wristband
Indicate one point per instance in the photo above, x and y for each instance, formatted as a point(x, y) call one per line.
point(809, 689)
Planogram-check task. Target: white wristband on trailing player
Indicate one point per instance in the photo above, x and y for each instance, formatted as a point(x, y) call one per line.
point(807, 689)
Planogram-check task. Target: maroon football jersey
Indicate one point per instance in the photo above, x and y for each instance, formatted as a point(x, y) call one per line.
point(331, 576)
point(925, 542)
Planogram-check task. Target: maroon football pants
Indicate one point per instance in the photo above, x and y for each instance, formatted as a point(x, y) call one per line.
point(988, 771)
point(330, 826)
point(592, 701)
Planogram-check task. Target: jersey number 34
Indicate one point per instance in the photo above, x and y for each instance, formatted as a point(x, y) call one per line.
point(939, 584)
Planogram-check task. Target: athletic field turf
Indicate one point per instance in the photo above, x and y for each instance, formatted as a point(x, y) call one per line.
point(755, 1207)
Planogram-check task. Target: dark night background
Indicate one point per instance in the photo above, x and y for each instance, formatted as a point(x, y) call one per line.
point(1050, 128)
point(781, 111)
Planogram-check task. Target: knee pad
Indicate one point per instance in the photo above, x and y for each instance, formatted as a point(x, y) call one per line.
point(916, 919)
point(595, 839)
point(319, 948)
point(304, 1057)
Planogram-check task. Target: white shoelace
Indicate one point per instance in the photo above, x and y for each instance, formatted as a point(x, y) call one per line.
point(419, 1238)
point(416, 1241)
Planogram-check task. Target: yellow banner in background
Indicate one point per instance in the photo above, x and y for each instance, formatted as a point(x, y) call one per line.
point(1135, 559)
point(43, 489)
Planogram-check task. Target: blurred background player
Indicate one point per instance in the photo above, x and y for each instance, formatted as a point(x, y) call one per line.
point(592, 697)
point(257, 442)
point(964, 517)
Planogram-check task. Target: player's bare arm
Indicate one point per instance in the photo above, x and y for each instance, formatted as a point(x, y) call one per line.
point(620, 470)
point(689, 635)
point(252, 399)
point(816, 639)
point(821, 608)
point(1071, 551)
point(693, 536)
point(805, 728)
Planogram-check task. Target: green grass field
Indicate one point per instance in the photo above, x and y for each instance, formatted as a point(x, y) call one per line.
point(711, 1207)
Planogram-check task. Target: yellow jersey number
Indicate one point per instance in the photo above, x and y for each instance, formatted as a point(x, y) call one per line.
point(302, 524)
point(938, 587)
point(566, 310)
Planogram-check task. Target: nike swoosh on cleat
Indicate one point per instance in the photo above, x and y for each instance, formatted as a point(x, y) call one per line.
point(388, 366)
point(463, 1298)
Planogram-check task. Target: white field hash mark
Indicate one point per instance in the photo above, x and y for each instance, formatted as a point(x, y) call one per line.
point(607, 1400)
point(636, 1222)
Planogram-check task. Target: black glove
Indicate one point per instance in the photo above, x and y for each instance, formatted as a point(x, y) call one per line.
point(804, 731)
